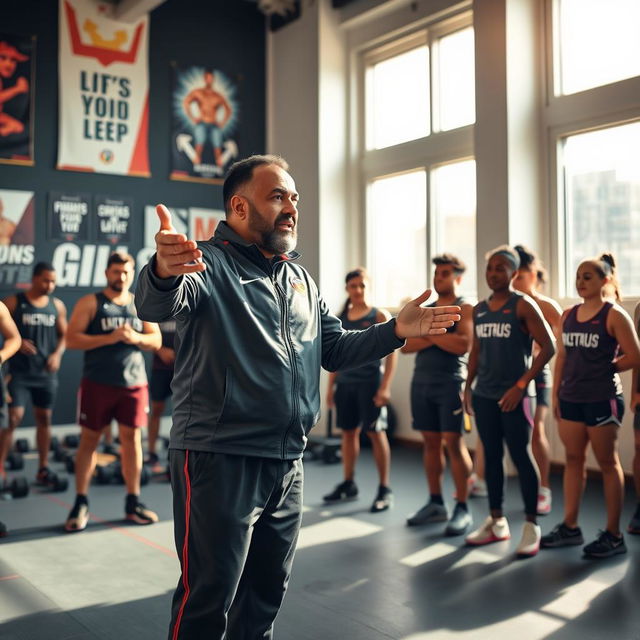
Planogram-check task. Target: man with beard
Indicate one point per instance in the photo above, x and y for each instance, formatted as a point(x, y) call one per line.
point(252, 334)
point(42, 321)
point(106, 327)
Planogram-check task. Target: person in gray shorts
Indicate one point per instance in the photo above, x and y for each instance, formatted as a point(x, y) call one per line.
point(436, 403)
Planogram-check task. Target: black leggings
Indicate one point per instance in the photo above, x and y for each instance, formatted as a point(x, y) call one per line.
point(514, 427)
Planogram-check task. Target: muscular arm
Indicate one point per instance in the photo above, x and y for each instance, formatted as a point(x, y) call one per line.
point(561, 355)
point(621, 328)
point(61, 326)
point(383, 395)
point(150, 339)
point(12, 339)
point(186, 104)
point(81, 317)
point(458, 342)
point(539, 330)
point(413, 345)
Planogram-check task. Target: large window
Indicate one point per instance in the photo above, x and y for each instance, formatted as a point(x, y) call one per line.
point(601, 172)
point(418, 104)
point(594, 115)
point(596, 43)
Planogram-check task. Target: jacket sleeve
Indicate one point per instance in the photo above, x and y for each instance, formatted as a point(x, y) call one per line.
point(158, 299)
point(343, 349)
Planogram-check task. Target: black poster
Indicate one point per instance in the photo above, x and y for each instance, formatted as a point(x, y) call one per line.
point(69, 216)
point(113, 219)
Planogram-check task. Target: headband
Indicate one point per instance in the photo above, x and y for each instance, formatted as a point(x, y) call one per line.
point(515, 262)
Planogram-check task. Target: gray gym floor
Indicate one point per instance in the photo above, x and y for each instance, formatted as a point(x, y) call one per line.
point(357, 575)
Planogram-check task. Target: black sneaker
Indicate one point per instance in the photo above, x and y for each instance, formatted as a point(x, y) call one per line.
point(139, 514)
point(78, 517)
point(605, 545)
point(460, 522)
point(383, 500)
point(634, 523)
point(44, 477)
point(431, 512)
point(562, 536)
point(344, 492)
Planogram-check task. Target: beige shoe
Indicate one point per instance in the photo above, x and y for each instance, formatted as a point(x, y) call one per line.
point(491, 531)
point(78, 518)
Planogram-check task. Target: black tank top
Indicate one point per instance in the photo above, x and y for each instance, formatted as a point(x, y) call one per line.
point(505, 349)
point(588, 374)
point(37, 324)
point(120, 364)
point(168, 331)
point(435, 366)
point(371, 371)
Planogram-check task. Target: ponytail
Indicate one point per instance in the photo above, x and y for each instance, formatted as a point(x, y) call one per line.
point(606, 266)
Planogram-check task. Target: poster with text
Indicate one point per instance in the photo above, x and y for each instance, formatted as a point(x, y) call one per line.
point(204, 119)
point(104, 90)
point(69, 216)
point(113, 218)
point(17, 252)
point(203, 222)
point(17, 57)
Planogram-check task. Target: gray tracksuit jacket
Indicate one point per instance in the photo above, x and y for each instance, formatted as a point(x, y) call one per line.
point(251, 336)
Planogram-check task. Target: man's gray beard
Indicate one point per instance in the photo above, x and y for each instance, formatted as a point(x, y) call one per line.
point(278, 242)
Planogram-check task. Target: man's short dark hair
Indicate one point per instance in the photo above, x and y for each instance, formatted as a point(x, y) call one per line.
point(42, 266)
point(241, 172)
point(120, 257)
point(458, 266)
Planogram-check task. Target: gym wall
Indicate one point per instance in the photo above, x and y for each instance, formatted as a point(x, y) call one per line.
point(229, 36)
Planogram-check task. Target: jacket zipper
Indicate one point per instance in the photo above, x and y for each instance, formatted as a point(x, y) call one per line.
point(284, 317)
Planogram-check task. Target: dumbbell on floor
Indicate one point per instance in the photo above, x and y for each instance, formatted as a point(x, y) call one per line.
point(16, 488)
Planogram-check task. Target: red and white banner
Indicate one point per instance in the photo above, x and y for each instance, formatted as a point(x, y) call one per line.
point(104, 90)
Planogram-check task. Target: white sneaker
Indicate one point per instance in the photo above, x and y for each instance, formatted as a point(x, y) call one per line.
point(478, 488)
point(530, 541)
point(544, 501)
point(490, 531)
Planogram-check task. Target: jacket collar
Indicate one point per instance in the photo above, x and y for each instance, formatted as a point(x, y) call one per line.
point(226, 235)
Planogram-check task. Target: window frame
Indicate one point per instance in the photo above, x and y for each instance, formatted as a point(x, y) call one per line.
point(599, 108)
point(426, 153)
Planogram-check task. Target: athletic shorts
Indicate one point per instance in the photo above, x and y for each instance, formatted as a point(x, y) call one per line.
point(355, 408)
point(160, 384)
point(99, 404)
point(204, 130)
point(437, 408)
point(544, 384)
point(636, 419)
point(43, 394)
point(594, 414)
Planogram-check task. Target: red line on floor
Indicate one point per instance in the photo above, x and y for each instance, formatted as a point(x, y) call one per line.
point(123, 531)
point(13, 577)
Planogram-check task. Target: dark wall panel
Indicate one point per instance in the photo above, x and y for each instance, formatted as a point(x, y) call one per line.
point(224, 35)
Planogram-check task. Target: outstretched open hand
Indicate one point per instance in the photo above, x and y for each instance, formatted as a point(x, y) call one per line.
point(415, 321)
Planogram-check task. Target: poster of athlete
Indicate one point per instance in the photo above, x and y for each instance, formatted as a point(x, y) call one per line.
point(16, 237)
point(205, 118)
point(16, 99)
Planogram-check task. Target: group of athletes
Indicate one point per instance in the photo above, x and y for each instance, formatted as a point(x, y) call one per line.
point(494, 365)
point(114, 386)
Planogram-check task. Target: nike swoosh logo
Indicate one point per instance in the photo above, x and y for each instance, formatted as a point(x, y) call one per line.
point(457, 412)
point(601, 418)
point(480, 314)
point(243, 281)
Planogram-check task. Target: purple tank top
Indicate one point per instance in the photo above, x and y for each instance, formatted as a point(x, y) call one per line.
point(588, 374)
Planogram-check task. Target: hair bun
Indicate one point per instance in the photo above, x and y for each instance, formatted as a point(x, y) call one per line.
point(609, 259)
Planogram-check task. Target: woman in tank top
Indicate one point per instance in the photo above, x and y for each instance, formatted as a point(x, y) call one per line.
point(528, 281)
point(500, 364)
point(634, 524)
point(588, 400)
point(360, 397)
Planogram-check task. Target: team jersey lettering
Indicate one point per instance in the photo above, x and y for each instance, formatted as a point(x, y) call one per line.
point(493, 330)
point(580, 339)
point(38, 319)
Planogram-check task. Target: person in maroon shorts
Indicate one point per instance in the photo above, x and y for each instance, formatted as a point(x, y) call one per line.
point(106, 327)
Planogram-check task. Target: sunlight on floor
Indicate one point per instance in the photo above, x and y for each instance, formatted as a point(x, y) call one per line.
point(334, 531)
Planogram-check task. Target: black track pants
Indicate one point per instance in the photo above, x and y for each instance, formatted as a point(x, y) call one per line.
point(514, 427)
point(236, 521)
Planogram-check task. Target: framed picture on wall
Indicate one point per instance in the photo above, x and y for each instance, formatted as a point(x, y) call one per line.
point(205, 115)
point(17, 76)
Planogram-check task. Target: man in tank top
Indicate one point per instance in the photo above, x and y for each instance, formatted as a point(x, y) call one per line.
point(436, 402)
point(106, 327)
point(33, 372)
point(160, 383)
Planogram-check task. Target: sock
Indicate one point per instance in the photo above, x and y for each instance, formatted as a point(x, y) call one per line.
point(131, 502)
point(463, 505)
point(82, 498)
point(436, 498)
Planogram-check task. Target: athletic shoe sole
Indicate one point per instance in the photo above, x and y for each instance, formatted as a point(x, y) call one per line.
point(528, 554)
point(79, 525)
point(492, 538)
point(136, 519)
point(567, 542)
point(338, 500)
point(544, 511)
point(606, 554)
